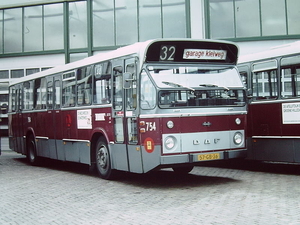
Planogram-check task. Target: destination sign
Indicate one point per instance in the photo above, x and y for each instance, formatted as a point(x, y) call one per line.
point(204, 54)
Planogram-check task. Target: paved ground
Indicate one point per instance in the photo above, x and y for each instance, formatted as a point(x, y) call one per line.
point(66, 193)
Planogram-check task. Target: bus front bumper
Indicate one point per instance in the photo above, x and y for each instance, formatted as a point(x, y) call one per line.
point(201, 157)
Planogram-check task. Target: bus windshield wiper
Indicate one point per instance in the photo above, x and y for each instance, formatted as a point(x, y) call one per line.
point(177, 85)
point(213, 85)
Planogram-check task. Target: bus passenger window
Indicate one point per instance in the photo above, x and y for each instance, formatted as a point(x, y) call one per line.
point(56, 97)
point(265, 85)
point(102, 84)
point(28, 95)
point(84, 86)
point(40, 93)
point(118, 88)
point(290, 81)
point(12, 99)
point(50, 95)
point(68, 89)
point(131, 93)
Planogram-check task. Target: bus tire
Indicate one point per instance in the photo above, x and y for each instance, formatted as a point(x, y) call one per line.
point(183, 169)
point(103, 161)
point(32, 156)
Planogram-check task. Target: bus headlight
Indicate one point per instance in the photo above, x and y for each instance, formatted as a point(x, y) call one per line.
point(170, 142)
point(238, 138)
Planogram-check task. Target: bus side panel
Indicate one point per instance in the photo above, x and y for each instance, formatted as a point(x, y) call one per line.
point(135, 159)
point(119, 157)
point(297, 150)
point(266, 119)
point(151, 143)
point(69, 130)
point(41, 130)
point(267, 149)
point(151, 160)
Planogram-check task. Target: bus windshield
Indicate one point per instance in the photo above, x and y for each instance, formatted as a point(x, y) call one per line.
point(197, 86)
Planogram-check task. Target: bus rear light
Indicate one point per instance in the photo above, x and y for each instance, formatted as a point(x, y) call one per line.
point(142, 130)
point(142, 123)
point(238, 138)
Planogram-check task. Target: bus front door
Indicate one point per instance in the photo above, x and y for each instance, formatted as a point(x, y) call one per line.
point(125, 155)
point(54, 122)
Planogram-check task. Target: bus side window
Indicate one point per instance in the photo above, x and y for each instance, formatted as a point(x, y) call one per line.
point(118, 88)
point(28, 95)
point(244, 77)
point(84, 84)
point(290, 81)
point(131, 93)
point(50, 94)
point(12, 99)
point(264, 85)
point(40, 93)
point(68, 89)
point(102, 84)
point(57, 95)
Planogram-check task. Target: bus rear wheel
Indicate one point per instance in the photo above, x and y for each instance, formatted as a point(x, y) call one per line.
point(183, 169)
point(103, 162)
point(32, 157)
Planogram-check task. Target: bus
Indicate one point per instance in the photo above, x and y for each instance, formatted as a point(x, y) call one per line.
point(272, 78)
point(155, 104)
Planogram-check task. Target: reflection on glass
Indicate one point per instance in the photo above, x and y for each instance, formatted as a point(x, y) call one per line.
point(33, 38)
point(195, 86)
point(150, 26)
point(221, 19)
point(1, 31)
point(174, 19)
point(273, 17)
point(126, 22)
point(53, 27)
point(293, 14)
point(103, 23)
point(247, 24)
point(78, 24)
point(13, 30)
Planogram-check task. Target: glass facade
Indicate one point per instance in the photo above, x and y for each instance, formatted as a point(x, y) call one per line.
point(53, 27)
point(252, 19)
point(65, 26)
point(13, 28)
point(33, 32)
point(78, 25)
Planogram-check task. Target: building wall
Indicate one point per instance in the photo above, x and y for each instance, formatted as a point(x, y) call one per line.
point(36, 35)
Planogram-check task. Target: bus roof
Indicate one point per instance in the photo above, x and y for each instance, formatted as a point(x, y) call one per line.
point(287, 49)
point(138, 48)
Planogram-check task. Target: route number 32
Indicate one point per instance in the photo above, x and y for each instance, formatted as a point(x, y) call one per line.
point(167, 53)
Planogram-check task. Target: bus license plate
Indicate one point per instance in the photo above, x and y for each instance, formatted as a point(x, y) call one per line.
point(212, 156)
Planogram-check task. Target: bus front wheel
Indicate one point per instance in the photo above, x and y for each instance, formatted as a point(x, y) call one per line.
point(103, 162)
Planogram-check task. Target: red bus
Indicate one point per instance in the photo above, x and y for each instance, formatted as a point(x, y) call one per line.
point(273, 81)
point(155, 104)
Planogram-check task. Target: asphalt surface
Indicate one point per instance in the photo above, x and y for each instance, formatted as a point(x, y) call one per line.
point(217, 193)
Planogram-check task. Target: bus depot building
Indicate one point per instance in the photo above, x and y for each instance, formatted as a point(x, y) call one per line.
point(37, 35)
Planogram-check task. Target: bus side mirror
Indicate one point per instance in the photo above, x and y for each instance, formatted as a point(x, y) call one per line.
point(127, 80)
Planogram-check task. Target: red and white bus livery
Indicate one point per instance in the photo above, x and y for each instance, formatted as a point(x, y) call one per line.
point(155, 104)
point(273, 81)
